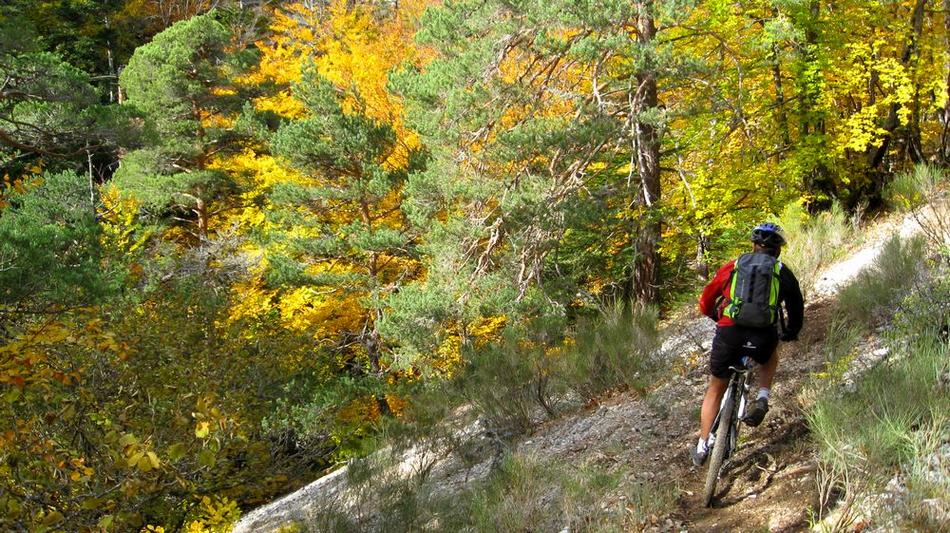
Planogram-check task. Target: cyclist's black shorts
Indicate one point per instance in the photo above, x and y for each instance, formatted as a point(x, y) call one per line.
point(731, 343)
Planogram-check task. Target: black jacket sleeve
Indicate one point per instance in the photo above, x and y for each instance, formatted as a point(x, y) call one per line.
point(791, 294)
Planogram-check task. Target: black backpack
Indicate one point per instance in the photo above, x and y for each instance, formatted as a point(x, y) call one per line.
point(754, 290)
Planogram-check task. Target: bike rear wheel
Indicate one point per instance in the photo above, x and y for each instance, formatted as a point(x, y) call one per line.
point(719, 448)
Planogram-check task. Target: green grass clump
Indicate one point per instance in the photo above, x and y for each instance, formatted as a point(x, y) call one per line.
point(910, 190)
point(815, 241)
point(924, 194)
point(875, 422)
point(895, 419)
point(876, 291)
point(527, 494)
point(524, 493)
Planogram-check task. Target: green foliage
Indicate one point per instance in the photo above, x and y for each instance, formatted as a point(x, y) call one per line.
point(170, 78)
point(539, 206)
point(349, 208)
point(49, 245)
point(51, 115)
point(337, 413)
point(181, 83)
point(335, 145)
point(612, 350)
point(909, 190)
point(78, 30)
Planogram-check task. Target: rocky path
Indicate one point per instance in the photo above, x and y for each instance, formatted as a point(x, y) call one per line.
point(770, 485)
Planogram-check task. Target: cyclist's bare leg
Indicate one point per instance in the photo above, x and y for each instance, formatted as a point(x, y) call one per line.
point(767, 372)
point(715, 390)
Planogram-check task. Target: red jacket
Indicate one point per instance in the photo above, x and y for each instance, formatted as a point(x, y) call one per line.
point(717, 295)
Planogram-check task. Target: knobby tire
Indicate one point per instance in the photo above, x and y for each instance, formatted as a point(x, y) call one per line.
point(719, 449)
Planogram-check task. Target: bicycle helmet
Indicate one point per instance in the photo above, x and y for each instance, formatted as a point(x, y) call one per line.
point(769, 235)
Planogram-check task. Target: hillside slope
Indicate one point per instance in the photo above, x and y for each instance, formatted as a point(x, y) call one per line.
point(770, 485)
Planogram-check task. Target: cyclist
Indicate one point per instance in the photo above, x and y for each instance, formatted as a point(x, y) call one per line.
point(733, 342)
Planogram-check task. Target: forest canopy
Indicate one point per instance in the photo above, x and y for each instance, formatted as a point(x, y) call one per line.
point(237, 238)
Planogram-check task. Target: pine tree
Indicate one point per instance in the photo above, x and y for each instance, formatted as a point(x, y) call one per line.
point(182, 83)
point(348, 211)
point(49, 245)
point(545, 127)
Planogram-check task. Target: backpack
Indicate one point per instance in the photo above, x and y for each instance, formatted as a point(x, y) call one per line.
point(754, 291)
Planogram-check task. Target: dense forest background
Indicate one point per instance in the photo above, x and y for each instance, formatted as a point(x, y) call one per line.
point(240, 238)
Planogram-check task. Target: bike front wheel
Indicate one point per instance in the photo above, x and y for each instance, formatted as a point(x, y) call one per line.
point(720, 446)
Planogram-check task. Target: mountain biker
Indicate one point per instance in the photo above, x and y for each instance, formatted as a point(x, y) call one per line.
point(733, 342)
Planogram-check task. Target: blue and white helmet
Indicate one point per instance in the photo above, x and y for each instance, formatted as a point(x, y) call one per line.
point(769, 235)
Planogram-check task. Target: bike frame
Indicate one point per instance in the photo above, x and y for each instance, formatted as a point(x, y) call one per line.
point(738, 388)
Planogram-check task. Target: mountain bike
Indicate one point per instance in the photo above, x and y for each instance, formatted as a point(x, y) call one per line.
point(725, 428)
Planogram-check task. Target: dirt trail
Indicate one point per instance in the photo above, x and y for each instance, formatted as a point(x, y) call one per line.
point(770, 483)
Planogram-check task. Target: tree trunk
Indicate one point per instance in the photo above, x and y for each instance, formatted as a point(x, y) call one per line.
point(371, 340)
point(809, 96)
point(812, 122)
point(644, 287)
point(113, 77)
point(780, 114)
point(201, 211)
point(92, 184)
point(702, 267)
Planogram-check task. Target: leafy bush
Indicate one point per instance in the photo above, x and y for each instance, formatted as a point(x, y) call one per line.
point(507, 382)
point(340, 414)
point(114, 410)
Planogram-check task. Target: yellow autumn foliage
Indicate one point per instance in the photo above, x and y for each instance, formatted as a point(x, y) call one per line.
point(355, 49)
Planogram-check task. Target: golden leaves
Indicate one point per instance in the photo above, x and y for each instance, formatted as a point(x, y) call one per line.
point(202, 430)
point(351, 48)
